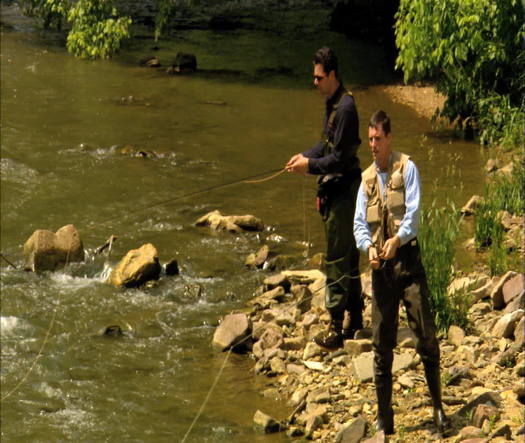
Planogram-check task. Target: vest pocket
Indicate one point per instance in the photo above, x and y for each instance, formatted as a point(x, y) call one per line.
point(372, 214)
point(396, 200)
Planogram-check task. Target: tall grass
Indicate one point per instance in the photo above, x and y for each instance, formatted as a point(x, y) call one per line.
point(504, 193)
point(439, 227)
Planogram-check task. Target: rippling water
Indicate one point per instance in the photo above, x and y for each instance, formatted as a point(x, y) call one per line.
point(68, 127)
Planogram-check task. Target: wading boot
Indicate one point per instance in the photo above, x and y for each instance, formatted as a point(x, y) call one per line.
point(352, 323)
point(432, 375)
point(333, 338)
point(385, 413)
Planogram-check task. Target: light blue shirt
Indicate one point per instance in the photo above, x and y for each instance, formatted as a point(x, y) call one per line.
point(410, 223)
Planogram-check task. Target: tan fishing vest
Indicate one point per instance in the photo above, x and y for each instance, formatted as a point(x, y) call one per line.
point(384, 213)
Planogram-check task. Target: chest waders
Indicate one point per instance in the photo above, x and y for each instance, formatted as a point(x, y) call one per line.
point(402, 278)
point(336, 198)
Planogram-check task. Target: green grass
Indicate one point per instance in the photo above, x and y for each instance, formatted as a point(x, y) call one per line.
point(504, 193)
point(438, 232)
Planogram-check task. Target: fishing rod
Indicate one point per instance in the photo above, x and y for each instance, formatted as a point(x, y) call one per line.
point(247, 179)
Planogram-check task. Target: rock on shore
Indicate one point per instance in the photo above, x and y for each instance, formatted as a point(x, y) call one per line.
point(332, 395)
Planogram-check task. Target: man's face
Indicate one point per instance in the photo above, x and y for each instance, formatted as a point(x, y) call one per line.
point(322, 81)
point(379, 145)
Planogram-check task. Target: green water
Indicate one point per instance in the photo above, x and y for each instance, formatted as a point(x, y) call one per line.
point(62, 123)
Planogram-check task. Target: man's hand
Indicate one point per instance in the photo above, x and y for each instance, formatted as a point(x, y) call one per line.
point(373, 257)
point(298, 164)
point(390, 248)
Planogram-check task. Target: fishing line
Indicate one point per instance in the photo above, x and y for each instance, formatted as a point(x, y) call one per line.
point(24, 378)
point(274, 172)
point(8, 262)
point(51, 323)
point(247, 179)
point(215, 381)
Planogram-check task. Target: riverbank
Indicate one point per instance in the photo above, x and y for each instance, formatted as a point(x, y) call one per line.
point(331, 394)
point(423, 99)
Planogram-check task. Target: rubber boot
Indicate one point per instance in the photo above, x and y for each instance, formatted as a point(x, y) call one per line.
point(432, 375)
point(385, 413)
point(334, 337)
point(352, 323)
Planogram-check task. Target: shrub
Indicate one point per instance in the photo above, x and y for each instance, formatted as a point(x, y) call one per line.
point(471, 49)
point(97, 32)
point(500, 122)
point(96, 29)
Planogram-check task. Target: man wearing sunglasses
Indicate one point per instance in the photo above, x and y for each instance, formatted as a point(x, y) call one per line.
point(334, 160)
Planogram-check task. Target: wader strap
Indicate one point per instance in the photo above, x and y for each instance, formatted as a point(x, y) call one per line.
point(327, 142)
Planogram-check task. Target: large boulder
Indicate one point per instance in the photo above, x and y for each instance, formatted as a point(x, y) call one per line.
point(231, 223)
point(48, 251)
point(137, 267)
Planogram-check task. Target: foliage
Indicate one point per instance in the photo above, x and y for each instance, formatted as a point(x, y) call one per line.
point(438, 231)
point(97, 32)
point(472, 49)
point(51, 11)
point(500, 122)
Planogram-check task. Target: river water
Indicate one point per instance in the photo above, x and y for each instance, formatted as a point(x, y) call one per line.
point(67, 130)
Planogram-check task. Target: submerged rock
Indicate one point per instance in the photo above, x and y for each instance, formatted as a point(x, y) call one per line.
point(264, 423)
point(231, 223)
point(257, 260)
point(48, 251)
point(172, 267)
point(137, 267)
point(184, 63)
point(150, 61)
point(113, 331)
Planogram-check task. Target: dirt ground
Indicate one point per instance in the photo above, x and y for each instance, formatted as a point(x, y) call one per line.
point(424, 99)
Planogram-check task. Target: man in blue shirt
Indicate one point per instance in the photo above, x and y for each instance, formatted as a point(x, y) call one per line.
point(385, 228)
point(334, 160)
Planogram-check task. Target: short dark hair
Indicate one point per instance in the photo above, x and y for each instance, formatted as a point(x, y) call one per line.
point(380, 118)
point(327, 59)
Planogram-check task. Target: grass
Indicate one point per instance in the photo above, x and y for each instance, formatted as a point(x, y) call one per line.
point(504, 193)
point(439, 227)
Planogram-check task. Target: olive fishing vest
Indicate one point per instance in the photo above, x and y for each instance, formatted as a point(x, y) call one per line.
point(385, 210)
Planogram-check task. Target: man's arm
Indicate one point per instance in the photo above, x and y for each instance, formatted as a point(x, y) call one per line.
point(315, 151)
point(362, 234)
point(410, 223)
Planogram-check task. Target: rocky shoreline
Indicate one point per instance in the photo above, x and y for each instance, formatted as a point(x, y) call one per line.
point(331, 394)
